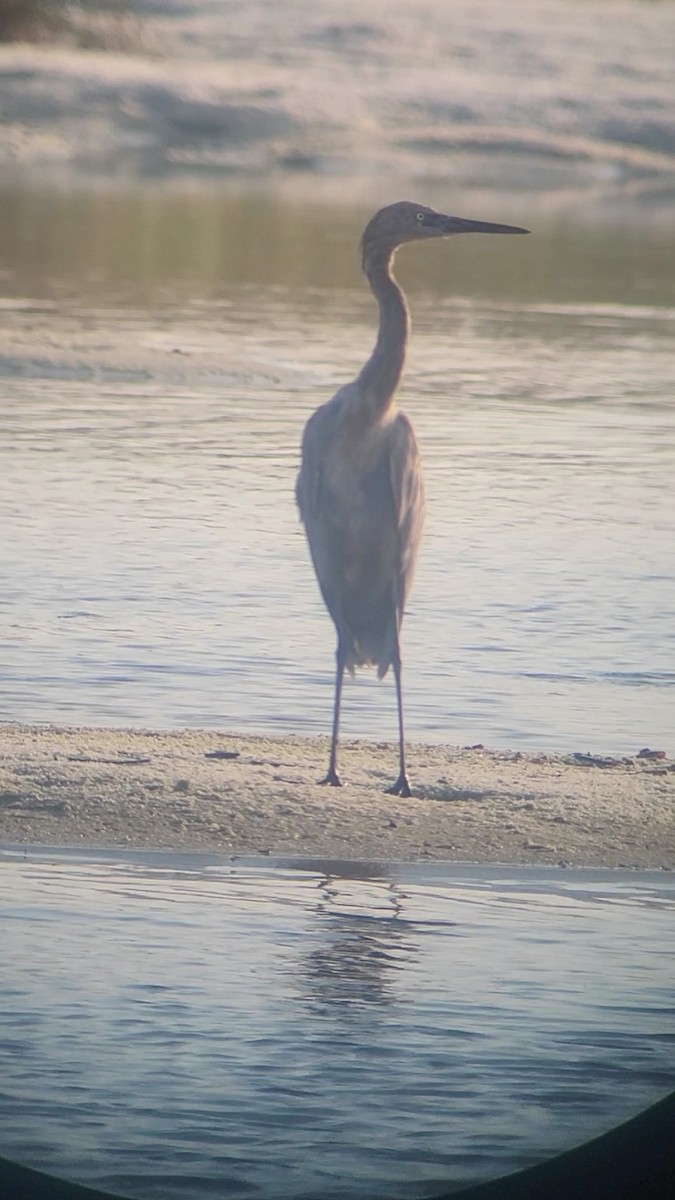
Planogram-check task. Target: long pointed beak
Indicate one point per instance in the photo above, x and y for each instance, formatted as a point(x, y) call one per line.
point(450, 225)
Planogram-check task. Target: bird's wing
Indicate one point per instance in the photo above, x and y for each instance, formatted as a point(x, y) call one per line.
point(405, 474)
point(317, 440)
point(309, 478)
point(320, 510)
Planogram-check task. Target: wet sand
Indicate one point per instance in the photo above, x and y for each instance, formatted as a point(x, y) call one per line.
point(225, 792)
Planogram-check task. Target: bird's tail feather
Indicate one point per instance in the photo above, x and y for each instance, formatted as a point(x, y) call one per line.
point(360, 653)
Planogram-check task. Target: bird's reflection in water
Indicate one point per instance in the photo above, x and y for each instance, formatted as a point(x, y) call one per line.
point(359, 950)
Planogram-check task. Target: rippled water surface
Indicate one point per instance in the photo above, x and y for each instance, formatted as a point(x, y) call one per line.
point(184, 1027)
point(159, 356)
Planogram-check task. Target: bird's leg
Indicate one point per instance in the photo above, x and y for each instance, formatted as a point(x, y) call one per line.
point(332, 777)
point(402, 785)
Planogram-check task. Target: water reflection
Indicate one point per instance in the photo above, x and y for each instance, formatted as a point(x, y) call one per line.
point(249, 1028)
point(152, 245)
point(358, 958)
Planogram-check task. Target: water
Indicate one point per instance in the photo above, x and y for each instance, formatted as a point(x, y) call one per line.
point(180, 1027)
point(161, 349)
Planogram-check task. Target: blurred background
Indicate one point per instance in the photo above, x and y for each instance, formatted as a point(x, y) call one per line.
point(183, 184)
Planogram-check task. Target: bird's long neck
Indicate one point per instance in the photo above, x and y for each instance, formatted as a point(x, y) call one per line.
point(380, 376)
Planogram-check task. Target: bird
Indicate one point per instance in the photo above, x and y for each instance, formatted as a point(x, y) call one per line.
point(360, 491)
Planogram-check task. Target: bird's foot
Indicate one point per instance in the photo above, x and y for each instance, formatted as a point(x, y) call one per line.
point(401, 787)
point(332, 779)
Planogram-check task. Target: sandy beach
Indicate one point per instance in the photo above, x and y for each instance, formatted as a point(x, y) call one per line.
point(224, 792)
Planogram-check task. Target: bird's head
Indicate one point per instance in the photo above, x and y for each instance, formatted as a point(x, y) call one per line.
point(408, 222)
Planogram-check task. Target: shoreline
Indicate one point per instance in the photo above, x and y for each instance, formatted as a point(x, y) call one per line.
point(243, 794)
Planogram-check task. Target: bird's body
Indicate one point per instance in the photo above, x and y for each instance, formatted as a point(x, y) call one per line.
point(362, 504)
point(360, 490)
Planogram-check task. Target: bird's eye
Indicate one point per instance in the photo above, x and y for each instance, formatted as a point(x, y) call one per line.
point(420, 216)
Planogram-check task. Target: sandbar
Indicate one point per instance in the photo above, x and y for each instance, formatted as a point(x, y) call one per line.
point(235, 793)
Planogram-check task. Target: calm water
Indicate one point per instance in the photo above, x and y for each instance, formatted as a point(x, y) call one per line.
point(180, 1027)
point(160, 351)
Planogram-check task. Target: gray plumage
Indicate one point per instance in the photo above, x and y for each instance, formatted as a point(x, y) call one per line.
point(360, 491)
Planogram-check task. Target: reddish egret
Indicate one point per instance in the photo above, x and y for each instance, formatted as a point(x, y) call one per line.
point(360, 490)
